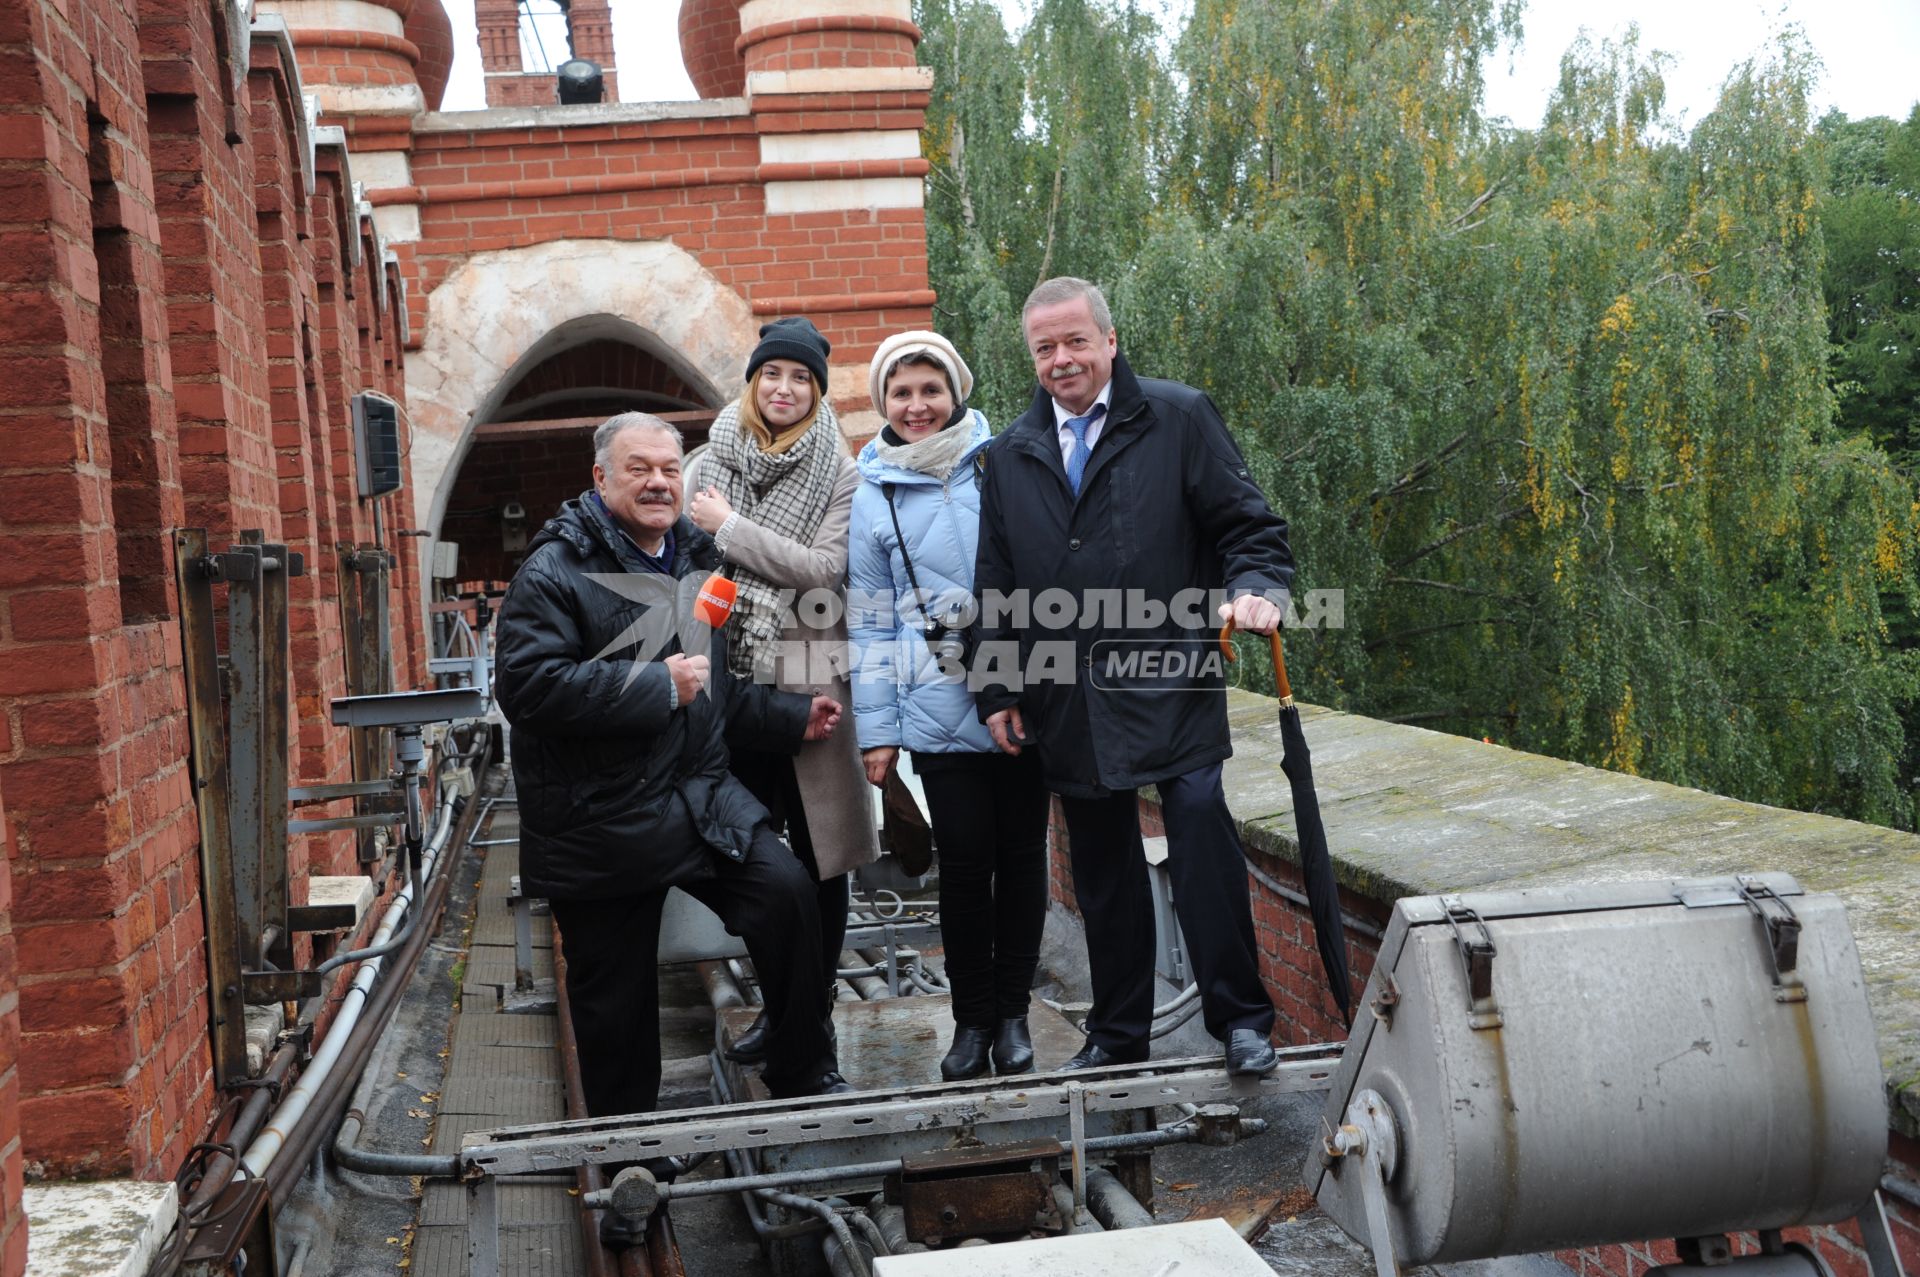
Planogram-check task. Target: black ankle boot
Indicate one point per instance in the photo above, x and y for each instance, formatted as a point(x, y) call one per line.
point(968, 1055)
point(1012, 1047)
point(750, 1047)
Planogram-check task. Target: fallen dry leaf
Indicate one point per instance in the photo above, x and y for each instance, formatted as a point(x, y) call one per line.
point(1185, 1186)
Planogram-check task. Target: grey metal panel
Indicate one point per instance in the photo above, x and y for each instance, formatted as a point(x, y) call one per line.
point(484, 1029)
point(1645, 1080)
point(444, 1202)
point(494, 926)
point(512, 1062)
point(492, 965)
point(525, 1099)
point(545, 1250)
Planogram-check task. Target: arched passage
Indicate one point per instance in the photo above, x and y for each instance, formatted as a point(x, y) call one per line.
point(501, 321)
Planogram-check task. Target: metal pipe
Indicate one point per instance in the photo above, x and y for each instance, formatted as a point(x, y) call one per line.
point(744, 1181)
point(892, 1222)
point(1189, 994)
point(752, 1182)
point(1079, 1220)
point(722, 992)
point(1285, 892)
point(267, 1145)
point(1161, 1028)
point(869, 1230)
point(371, 1162)
point(841, 1233)
point(1112, 1204)
point(586, 1179)
point(1900, 1190)
point(410, 891)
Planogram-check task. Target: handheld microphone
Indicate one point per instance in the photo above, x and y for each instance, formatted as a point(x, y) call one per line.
point(714, 603)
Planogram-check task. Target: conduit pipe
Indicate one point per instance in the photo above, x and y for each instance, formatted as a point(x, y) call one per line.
point(1895, 1187)
point(1112, 1204)
point(267, 1146)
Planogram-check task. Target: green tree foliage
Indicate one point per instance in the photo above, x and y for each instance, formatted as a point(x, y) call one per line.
point(1872, 225)
point(1550, 406)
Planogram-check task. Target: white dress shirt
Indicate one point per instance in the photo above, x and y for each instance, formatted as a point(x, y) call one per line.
point(1061, 415)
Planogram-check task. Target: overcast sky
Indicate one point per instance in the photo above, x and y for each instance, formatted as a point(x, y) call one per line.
point(1871, 50)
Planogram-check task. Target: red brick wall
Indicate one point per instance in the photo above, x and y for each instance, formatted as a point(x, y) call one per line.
point(178, 317)
point(106, 926)
point(860, 274)
point(13, 1224)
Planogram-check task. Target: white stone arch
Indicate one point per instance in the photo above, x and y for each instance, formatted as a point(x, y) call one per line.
point(500, 313)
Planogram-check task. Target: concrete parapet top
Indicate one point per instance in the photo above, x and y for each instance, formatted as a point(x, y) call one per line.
point(108, 1228)
point(576, 116)
point(1415, 812)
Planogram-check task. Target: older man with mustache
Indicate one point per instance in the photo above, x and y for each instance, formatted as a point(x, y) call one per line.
point(620, 706)
point(1116, 486)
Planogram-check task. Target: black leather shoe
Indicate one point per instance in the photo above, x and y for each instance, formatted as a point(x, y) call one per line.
point(1249, 1054)
point(828, 1083)
point(1012, 1047)
point(751, 1047)
point(968, 1055)
point(1098, 1057)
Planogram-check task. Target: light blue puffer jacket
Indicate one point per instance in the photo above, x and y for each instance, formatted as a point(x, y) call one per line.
point(900, 697)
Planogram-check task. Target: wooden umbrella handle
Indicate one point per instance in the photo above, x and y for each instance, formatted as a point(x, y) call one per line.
point(1279, 659)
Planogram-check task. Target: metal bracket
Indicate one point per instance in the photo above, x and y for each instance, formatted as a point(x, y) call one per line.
point(1781, 930)
point(1368, 1134)
point(280, 986)
point(1386, 1001)
point(969, 1192)
point(321, 917)
point(1477, 955)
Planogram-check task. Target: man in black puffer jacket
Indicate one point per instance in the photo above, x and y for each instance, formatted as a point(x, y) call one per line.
point(619, 703)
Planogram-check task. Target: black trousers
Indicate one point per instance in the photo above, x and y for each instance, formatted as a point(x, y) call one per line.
point(989, 816)
point(1209, 879)
point(612, 984)
point(770, 778)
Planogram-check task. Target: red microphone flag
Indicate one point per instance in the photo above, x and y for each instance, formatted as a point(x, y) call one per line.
point(715, 603)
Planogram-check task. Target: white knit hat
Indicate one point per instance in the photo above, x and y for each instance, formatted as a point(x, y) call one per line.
point(917, 342)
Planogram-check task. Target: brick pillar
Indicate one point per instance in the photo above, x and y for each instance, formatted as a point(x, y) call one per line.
point(498, 27)
point(839, 103)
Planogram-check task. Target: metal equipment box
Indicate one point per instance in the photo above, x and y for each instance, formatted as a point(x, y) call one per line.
point(1548, 1069)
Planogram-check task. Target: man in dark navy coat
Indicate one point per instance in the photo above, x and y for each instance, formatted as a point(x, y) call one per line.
point(1130, 495)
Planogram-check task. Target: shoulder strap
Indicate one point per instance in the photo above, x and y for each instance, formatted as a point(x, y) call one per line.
point(906, 558)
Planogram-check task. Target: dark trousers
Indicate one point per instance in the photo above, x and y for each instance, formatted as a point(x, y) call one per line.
point(989, 817)
point(1209, 879)
point(612, 985)
point(771, 780)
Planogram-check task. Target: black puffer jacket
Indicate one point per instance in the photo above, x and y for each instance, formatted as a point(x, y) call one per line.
point(617, 794)
point(1166, 505)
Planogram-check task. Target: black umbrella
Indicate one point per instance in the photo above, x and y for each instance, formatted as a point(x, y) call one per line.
point(1316, 865)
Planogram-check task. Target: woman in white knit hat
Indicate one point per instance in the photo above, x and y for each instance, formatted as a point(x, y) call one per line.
point(914, 527)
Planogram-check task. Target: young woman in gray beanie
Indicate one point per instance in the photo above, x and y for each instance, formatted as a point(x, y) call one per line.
point(774, 487)
point(916, 523)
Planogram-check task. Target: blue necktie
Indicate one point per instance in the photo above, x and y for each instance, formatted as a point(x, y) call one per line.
point(1077, 459)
